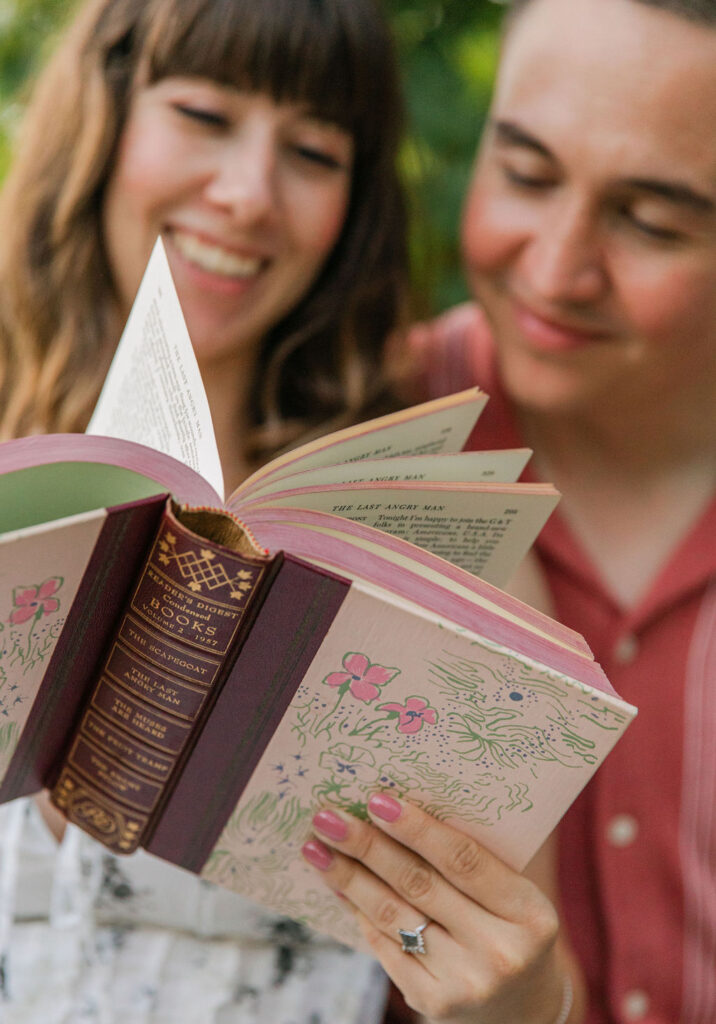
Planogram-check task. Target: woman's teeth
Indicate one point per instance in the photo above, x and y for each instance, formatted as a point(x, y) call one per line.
point(214, 258)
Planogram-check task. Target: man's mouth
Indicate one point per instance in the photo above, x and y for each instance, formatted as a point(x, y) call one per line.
point(554, 334)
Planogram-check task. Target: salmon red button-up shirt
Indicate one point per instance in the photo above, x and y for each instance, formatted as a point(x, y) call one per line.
point(638, 848)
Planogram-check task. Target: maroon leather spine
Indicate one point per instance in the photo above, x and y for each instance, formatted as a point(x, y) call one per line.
point(157, 682)
point(289, 627)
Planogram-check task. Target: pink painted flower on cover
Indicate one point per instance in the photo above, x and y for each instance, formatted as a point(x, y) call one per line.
point(412, 714)
point(361, 676)
point(35, 601)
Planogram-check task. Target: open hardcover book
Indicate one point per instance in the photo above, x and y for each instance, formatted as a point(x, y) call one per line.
point(198, 676)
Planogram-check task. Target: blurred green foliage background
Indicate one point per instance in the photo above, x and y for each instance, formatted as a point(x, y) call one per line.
point(447, 50)
point(448, 56)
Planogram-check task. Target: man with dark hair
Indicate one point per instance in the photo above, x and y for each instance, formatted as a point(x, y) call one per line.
point(589, 238)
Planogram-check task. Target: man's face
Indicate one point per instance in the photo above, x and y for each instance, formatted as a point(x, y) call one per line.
point(590, 225)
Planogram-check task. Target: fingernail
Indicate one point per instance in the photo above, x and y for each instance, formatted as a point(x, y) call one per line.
point(384, 807)
point(331, 825)
point(317, 854)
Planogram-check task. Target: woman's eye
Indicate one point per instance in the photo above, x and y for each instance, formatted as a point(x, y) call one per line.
point(527, 179)
point(203, 115)
point(317, 156)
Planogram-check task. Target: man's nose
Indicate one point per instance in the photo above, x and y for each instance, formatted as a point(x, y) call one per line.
point(564, 259)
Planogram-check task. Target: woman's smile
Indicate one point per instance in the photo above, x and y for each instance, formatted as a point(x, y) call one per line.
point(213, 257)
point(250, 196)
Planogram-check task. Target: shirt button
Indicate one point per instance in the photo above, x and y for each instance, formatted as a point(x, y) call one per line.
point(635, 1004)
point(622, 830)
point(626, 649)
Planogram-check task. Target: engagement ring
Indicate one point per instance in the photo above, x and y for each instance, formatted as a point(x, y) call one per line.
point(413, 942)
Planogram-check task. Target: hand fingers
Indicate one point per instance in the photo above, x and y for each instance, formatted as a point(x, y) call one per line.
point(403, 969)
point(461, 861)
point(402, 880)
point(447, 875)
point(489, 928)
point(384, 909)
point(474, 957)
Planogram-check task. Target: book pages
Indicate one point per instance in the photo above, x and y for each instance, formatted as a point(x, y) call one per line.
point(503, 466)
point(485, 530)
point(441, 426)
point(154, 393)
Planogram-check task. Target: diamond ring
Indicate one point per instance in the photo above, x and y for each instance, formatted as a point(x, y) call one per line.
point(413, 942)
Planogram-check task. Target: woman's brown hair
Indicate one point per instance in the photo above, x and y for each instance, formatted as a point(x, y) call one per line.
point(321, 366)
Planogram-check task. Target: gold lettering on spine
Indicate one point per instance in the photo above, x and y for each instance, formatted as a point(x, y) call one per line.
point(116, 828)
point(180, 623)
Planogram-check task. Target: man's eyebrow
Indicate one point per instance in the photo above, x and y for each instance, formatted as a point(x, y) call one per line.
point(673, 191)
point(511, 134)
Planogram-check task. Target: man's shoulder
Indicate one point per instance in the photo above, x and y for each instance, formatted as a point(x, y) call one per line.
point(455, 350)
point(463, 324)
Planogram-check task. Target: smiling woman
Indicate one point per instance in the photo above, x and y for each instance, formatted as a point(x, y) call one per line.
point(259, 140)
point(250, 197)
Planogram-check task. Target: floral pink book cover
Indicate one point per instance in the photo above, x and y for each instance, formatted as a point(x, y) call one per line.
point(396, 700)
point(40, 571)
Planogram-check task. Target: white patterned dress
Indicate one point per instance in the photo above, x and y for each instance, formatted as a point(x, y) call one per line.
point(89, 937)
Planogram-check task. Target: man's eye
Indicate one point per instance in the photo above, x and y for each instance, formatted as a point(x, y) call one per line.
point(201, 114)
point(650, 229)
point(653, 231)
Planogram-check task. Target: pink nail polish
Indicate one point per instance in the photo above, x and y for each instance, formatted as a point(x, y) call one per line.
point(331, 825)
point(317, 854)
point(384, 807)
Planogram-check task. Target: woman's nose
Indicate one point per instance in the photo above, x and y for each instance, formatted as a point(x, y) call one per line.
point(243, 180)
point(564, 258)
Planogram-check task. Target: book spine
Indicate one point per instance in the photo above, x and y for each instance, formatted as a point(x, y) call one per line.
point(286, 634)
point(162, 670)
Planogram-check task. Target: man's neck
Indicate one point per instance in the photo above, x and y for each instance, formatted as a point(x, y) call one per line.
point(626, 439)
point(629, 495)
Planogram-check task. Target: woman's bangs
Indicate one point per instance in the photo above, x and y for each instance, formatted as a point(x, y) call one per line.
point(295, 51)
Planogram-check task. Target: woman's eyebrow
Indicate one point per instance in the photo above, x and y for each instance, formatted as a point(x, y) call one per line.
point(511, 134)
